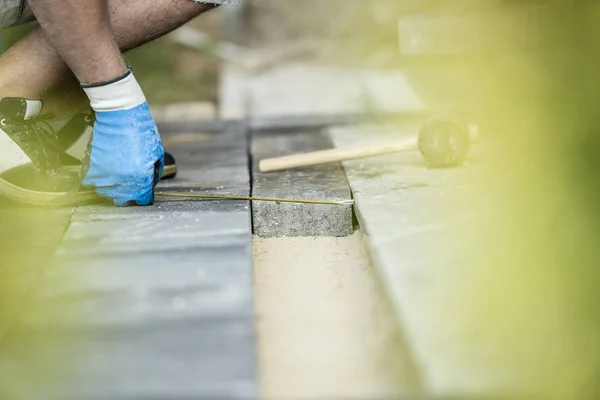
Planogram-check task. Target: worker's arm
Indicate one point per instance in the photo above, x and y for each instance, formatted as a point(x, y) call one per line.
point(126, 150)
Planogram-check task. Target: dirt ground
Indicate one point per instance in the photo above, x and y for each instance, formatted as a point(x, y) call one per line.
point(324, 330)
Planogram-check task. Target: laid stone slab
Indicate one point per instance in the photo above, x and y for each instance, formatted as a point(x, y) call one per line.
point(216, 161)
point(180, 358)
point(150, 302)
point(142, 287)
point(176, 206)
point(324, 182)
point(297, 89)
point(183, 111)
point(155, 233)
point(420, 224)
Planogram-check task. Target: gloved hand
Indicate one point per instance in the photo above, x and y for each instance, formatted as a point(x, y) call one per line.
point(127, 155)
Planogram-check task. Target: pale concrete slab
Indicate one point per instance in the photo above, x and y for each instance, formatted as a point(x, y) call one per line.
point(420, 224)
point(189, 111)
point(307, 89)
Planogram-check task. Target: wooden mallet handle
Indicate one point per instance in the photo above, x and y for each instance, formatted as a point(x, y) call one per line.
point(334, 156)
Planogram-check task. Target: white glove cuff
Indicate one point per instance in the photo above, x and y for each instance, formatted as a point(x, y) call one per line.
point(123, 93)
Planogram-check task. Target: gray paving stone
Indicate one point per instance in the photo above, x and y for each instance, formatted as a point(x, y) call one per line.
point(200, 126)
point(149, 302)
point(420, 224)
point(164, 207)
point(216, 162)
point(131, 288)
point(325, 182)
point(168, 359)
point(156, 233)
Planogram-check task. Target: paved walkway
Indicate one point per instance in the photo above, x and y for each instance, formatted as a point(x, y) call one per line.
point(138, 303)
point(418, 222)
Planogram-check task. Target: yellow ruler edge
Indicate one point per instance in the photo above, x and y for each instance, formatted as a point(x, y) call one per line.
point(272, 199)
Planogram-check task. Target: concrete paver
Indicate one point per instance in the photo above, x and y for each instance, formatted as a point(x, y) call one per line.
point(156, 302)
point(322, 182)
point(297, 89)
point(421, 225)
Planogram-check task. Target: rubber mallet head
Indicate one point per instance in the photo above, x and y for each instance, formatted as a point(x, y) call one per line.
point(444, 142)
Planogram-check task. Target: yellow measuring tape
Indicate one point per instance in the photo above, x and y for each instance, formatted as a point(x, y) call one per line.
point(272, 199)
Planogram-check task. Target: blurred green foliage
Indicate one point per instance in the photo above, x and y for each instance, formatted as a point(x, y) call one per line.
point(530, 299)
point(33, 361)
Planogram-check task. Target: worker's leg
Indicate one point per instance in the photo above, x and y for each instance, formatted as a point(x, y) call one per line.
point(32, 66)
point(127, 155)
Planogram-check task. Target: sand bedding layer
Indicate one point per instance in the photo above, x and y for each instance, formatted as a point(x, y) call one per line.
point(324, 328)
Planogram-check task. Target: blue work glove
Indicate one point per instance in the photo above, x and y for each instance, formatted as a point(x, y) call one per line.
point(127, 155)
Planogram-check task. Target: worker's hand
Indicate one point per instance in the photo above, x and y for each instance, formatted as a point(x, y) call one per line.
point(127, 155)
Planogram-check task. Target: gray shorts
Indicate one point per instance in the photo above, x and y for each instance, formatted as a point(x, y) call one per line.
point(16, 12)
